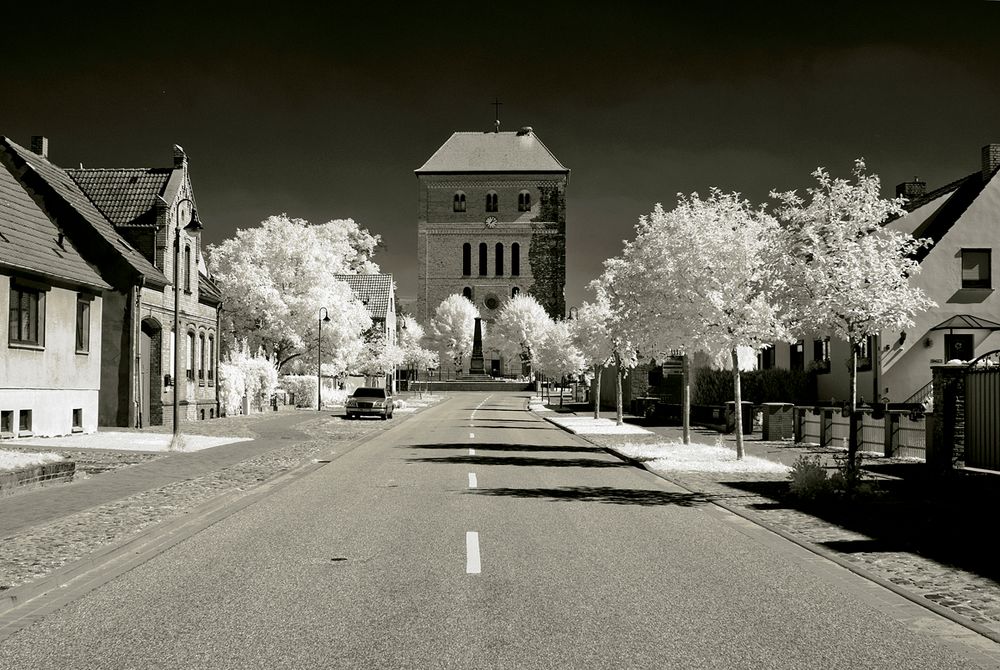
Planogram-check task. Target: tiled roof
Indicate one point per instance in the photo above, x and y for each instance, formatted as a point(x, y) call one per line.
point(126, 196)
point(29, 240)
point(208, 291)
point(937, 225)
point(62, 186)
point(493, 152)
point(374, 290)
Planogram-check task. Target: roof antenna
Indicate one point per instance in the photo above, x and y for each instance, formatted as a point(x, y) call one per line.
point(496, 105)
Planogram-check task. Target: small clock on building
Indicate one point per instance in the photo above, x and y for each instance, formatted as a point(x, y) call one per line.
point(491, 221)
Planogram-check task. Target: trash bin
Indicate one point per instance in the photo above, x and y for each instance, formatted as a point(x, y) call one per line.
point(778, 421)
point(747, 417)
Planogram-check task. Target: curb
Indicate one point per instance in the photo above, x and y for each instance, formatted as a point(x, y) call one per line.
point(822, 552)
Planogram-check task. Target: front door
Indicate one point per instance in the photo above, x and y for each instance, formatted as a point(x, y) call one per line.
point(145, 349)
point(959, 347)
point(495, 367)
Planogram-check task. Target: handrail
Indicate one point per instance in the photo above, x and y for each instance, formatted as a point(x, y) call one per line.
point(922, 394)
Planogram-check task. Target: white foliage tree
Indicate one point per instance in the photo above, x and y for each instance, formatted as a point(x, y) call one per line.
point(848, 274)
point(614, 287)
point(412, 337)
point(591, 336)
point(520, 326)
point(453, 328)
point(378, 358)
point(276, 277)
point(557, 354)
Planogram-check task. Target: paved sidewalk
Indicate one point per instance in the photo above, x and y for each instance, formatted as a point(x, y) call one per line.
point(41, 505)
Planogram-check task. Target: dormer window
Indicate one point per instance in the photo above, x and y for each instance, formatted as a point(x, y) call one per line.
point(524, 201)
point(491, 201)
point(458, 203)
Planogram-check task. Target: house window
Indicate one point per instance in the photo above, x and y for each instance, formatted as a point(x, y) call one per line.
point(458, 203)
point(467, 293)
point(78, 419)
point(797, 356)
point(499, 259)
point(765, 358)
point(7, 422)
point(865, 350)
point(24, 422)
point(976, 268)
point(211, 359)
point(821, 355)
point(201, 359)
point(515, 259)
point(491, 201)
point(190, 358)
point(187, 269)
point(524, 201)
point(83, 324)
point(514, 291)
point(466, 259)
point(27, 316)
point(482, 259)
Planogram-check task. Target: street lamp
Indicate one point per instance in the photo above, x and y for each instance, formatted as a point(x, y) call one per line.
point(193, 226)
point(323, 316)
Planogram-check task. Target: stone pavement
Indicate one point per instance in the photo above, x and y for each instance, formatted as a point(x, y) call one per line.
point(964, 596)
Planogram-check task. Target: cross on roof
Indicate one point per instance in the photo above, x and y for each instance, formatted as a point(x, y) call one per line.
point(496, 104)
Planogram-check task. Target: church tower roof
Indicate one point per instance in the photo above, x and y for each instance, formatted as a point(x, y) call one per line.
point(509, 151)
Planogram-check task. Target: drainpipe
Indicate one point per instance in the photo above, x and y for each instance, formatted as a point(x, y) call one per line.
point(137, 344)
point(215, 355)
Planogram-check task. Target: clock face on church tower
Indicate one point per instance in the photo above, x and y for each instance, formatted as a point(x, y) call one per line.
point(491, 221)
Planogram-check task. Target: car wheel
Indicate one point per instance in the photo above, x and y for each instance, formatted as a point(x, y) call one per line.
point(349, 416)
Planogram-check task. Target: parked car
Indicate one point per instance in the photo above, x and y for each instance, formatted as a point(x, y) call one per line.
point(369, 401)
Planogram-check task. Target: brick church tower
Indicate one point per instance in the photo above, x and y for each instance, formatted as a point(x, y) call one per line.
point(492, 223)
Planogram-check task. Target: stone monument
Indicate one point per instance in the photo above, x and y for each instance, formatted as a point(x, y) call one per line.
point(477, 365)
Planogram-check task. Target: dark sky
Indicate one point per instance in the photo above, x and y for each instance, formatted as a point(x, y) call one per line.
point(325, 112)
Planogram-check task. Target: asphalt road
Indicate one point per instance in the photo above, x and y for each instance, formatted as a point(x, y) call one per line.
point(583, 562)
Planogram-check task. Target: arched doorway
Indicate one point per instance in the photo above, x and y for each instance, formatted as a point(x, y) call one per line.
point(150, 377)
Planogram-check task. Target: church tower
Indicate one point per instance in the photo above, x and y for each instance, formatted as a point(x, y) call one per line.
point(492, 223)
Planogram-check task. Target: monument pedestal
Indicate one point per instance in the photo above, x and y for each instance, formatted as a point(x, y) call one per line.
point(477, 364)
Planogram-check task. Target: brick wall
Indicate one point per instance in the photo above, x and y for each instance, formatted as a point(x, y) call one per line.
point(12, 481)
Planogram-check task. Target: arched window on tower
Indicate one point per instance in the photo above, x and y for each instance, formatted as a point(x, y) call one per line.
point(467, 293)
point(499, 260)
point(515, 260)
point(514, 291)
point(524, 201)
point(466, 259)
point(491, 201)
point(482, 259)
point(458, 204)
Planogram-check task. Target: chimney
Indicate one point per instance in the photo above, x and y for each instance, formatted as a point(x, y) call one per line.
point(525, 130)
point(911, 190)
point(991, 160)
point(40, 145)
point(180, 158)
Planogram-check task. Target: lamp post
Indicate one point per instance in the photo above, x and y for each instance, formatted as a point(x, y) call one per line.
point(193, 226)
point(323, 316)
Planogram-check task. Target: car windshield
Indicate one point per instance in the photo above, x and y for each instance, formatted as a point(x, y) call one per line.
point(365, 392)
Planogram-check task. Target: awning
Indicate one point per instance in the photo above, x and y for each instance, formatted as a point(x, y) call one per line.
point(967, 322)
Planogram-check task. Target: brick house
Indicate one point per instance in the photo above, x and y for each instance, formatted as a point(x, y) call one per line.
point(50, 369)
point(492, 223)
point(378, 294)
point(124, 222)
point(956, 272)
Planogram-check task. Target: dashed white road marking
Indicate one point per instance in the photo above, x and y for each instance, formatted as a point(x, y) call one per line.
point(472, 452)
point(473, 482)
point(472, 565)
point(472, 436)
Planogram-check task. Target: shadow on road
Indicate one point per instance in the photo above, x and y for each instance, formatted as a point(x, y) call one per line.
point(528, 461)
point(601, 494)
point(492, 446)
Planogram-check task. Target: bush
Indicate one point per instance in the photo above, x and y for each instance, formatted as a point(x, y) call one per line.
point(232, 387)
point(809, 480)
point(715, 387)
point(302, 387)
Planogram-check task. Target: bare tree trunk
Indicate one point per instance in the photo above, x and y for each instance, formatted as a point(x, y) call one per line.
point(852, 437)
point(738, 406)
point(686, 397)
point(598, 369)
point(562, 384)
point(620, 418)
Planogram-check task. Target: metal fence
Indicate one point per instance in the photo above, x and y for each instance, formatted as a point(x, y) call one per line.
point(894, 433)
point(911, 437)
point(872, 434)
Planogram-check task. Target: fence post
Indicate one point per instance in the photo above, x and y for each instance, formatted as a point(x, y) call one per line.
point(826, 427)
point(948, 443)
point(798, 419)
point(891, 434)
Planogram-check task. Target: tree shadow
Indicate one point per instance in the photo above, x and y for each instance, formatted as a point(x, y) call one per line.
point(545, 427)
point(946, 520)
point(495, 446)
point(601, 494)
point(523, 461)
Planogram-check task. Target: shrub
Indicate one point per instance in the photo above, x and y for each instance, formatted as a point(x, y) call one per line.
point(232, 388)
point(809, 480)
point(302, 387)
point(715, 387)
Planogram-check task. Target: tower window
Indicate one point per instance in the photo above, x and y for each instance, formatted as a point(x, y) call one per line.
point(499, 259)
point(187, 269)
point(523, 201)
point(491, 201)
point(467, 293)
point(482, 259)
point(458, 203)
point(515, 259)
point(466, 259)
point(514, 291)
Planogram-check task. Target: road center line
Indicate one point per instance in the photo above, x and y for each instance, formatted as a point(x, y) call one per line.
point(472, 436)
point(473, 482)
point(472, 566)
point(472, 452)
